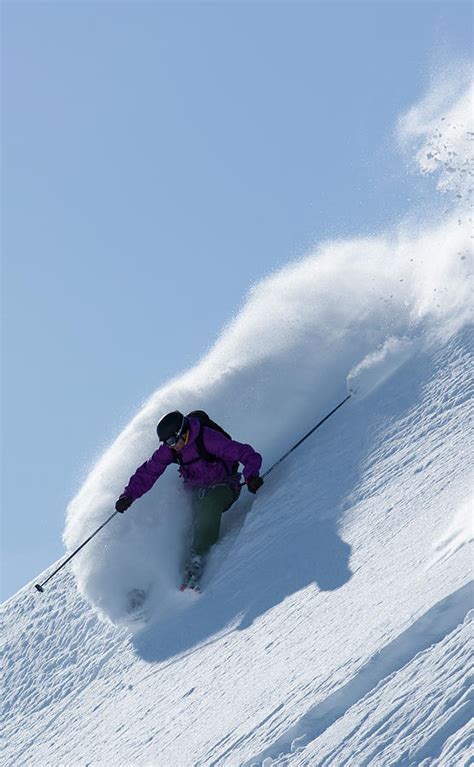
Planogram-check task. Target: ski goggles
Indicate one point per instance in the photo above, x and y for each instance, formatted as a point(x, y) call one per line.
point(171, 441)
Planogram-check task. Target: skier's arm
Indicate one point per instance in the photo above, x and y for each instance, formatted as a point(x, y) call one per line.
point(147, 474)
point(230, 450)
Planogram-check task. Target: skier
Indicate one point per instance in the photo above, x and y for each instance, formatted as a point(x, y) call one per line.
point(208, 461)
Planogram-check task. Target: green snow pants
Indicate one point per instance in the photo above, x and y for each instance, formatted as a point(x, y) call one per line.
point(209, 503)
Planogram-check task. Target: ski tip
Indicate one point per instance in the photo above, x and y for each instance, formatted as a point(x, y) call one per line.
point(193, 589)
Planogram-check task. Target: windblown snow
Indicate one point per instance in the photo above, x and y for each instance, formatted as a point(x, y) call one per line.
point(334, 624)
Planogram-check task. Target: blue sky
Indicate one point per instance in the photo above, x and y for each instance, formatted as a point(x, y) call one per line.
point(158, 160)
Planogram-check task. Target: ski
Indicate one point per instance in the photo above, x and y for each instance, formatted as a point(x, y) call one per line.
point(191, 583)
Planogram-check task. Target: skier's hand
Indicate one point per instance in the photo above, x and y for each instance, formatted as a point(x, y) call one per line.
point(253, 483)
point(123, 503)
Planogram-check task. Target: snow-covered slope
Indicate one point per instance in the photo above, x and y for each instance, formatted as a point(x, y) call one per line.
point(334, 624)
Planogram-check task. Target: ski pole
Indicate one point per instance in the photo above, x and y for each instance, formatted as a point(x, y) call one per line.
point(39, 586)
point(277, 463)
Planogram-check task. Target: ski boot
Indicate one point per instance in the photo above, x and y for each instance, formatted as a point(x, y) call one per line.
point(193, 573)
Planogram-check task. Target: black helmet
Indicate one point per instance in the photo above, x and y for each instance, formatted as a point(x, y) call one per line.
point(171, 427)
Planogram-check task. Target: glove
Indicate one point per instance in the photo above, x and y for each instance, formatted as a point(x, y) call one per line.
point(253, 483)
point(123, 503)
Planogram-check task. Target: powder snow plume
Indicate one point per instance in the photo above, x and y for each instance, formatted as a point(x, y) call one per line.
point(283, 362)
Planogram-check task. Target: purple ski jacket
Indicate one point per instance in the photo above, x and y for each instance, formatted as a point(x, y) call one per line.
point(197, 473)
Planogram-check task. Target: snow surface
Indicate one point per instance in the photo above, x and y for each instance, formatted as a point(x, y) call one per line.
point(334, 626)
